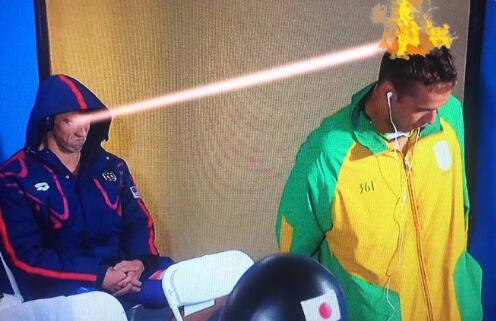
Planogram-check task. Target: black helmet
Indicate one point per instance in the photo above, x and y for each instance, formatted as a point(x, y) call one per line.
point(285, 287)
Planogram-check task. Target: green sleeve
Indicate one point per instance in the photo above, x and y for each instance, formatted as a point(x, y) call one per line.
point(305, 210)
point(452, 112)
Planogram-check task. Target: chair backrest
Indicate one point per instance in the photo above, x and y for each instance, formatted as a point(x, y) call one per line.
point(195, 282)
point(11, 278)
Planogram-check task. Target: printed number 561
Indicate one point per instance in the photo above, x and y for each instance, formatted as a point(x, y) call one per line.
point(367, 187)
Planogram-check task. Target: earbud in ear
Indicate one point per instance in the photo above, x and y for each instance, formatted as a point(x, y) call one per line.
point(389, 94)
point(48, 123)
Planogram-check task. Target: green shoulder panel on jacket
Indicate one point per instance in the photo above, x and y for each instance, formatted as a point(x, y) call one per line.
point(452, 112)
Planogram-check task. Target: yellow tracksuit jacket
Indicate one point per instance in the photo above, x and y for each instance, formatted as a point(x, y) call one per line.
point(391, 227)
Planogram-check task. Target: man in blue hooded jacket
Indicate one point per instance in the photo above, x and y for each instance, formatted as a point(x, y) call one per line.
point(71, 217)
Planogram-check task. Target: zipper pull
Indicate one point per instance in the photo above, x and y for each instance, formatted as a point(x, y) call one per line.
point(408, 166)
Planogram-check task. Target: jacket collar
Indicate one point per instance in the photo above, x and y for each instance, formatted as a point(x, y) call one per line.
point(90, 161)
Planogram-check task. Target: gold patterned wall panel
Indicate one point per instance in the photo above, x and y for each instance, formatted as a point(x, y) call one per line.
point(212, 171)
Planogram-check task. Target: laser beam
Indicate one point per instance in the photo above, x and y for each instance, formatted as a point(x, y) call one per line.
point(282, 72)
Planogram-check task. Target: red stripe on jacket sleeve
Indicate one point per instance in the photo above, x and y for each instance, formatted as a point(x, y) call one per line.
point(151, 238)
point(21, 158)
point(37, 270)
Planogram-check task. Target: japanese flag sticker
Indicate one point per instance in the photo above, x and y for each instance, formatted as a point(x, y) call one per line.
point(324, 307)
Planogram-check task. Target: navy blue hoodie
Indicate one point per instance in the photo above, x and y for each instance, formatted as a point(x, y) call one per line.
point(60, 232)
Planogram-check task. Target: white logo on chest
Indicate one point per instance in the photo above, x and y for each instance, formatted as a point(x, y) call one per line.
point(442, 152)
point(43, 186)
point(109, 176)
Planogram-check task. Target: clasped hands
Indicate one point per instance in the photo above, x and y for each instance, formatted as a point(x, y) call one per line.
point(124, 277)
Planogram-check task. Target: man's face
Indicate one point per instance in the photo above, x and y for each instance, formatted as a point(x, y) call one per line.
point(70, 131)
point(419, 107)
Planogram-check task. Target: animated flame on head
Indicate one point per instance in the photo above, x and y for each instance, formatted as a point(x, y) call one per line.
point(409, 30)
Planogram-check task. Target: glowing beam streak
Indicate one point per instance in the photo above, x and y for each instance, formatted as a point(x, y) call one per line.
point(246, 81)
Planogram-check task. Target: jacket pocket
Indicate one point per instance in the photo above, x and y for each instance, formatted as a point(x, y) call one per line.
point(365, 301)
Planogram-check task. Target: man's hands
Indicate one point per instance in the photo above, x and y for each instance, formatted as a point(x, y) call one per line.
point(123, 277)
point(112, 279)
point(133, 270)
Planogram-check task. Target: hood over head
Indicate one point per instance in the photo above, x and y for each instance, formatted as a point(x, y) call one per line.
point(61, 94)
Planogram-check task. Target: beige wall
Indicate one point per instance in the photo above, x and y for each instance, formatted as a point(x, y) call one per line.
point(212, 171)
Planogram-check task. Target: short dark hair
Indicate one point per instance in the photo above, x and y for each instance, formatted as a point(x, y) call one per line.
point(435, 68)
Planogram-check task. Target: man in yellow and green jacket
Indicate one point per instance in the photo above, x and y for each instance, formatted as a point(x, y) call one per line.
point(378, 195)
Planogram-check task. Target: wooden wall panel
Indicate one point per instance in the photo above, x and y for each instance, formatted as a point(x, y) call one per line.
point(212, 171)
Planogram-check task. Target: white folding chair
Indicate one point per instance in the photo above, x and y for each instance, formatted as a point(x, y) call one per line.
point(195, 284)
point(96, 306)
point(91, 306)
point(12, 280)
